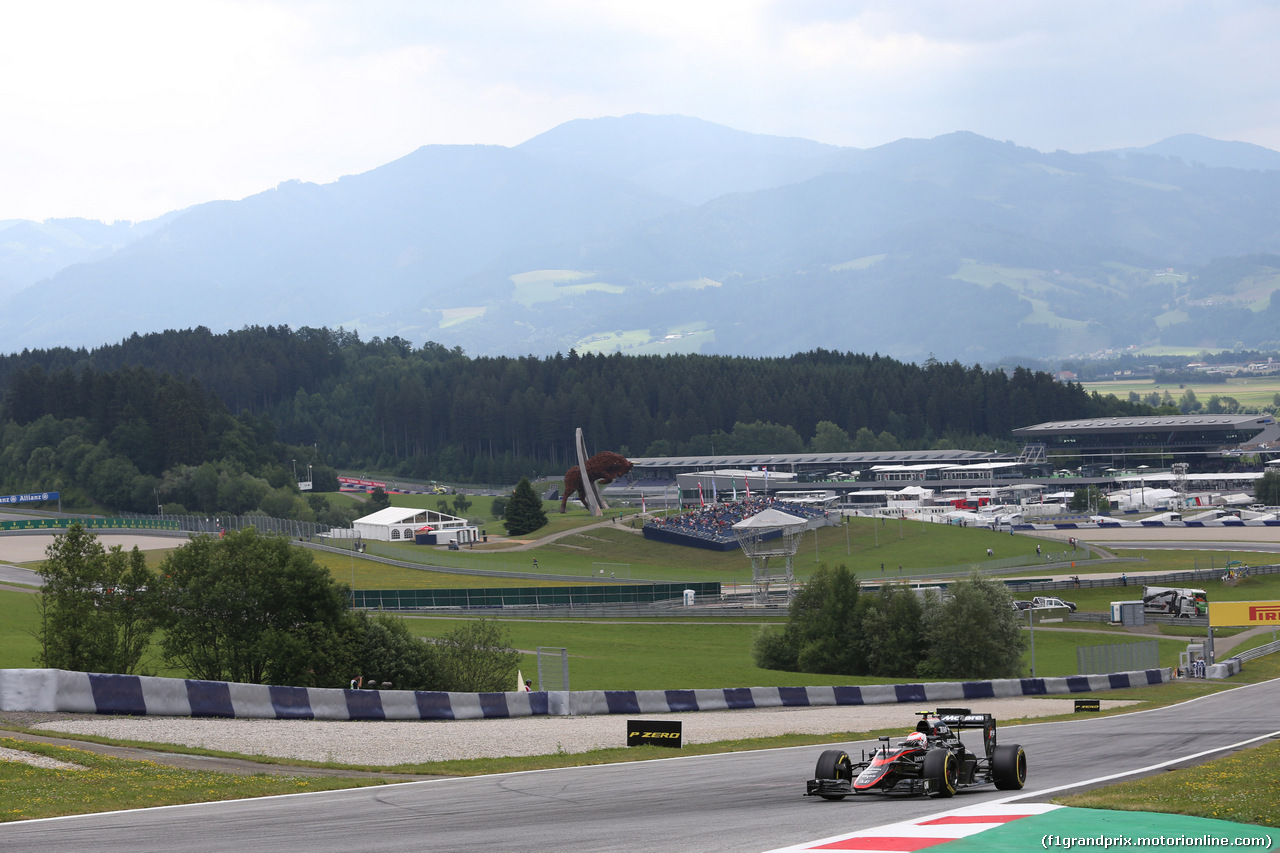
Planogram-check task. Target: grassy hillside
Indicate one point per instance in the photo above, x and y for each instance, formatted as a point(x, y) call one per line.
point(863, 545)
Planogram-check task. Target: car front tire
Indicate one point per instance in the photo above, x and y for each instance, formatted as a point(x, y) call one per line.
point(1009, 767)
point(834, 764)
point(941, 769)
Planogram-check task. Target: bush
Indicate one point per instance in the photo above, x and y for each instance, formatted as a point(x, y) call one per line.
point(826, 623)
point(775, 648)
point(384, 650)
point(477, 658)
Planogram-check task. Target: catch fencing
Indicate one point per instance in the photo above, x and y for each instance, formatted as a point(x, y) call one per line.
point(1117, 657)
point(528, 597)
point(305, 531)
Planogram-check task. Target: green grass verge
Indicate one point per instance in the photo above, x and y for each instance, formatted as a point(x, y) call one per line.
point(864, 545)
point(612, 654)
point(109, 784)
point(1240, 787)
point(19, 621)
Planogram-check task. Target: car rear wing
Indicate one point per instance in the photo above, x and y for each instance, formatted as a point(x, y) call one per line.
point(963, 718)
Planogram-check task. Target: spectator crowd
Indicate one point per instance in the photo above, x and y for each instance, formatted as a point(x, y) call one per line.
point(715, 521)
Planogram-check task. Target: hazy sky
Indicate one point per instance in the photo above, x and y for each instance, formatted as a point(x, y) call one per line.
point(128, 109)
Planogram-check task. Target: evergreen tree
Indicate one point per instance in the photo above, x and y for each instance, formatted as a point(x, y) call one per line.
point(378, 500)
point(524, 510)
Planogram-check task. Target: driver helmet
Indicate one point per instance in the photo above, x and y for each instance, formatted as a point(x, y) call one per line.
point(917, 739)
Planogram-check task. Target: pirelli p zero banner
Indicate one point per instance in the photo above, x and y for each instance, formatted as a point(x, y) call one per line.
point(656, 732)
point(1223, 614)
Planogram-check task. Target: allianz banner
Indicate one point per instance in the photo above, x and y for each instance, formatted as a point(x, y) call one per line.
point(1223, 614)
point(656, 732)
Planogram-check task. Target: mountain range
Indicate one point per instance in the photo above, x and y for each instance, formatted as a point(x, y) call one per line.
point(653, 234)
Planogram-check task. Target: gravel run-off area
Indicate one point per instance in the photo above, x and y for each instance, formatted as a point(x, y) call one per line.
point(388, 743)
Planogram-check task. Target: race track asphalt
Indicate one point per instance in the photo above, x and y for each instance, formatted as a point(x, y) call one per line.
point(737, 802)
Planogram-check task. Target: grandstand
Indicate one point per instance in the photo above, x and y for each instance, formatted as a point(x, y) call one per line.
point(711, 526)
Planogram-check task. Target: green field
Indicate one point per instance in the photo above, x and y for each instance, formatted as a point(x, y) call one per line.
point(107, 784)
point(1249, 391)
point(648, 655)
point(863, 545)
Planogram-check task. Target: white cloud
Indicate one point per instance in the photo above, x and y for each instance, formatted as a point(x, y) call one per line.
point(133, 108)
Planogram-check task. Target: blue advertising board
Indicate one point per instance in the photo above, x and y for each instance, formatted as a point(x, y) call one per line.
point(32, 498)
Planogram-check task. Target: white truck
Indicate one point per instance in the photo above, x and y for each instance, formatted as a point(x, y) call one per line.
point(1175, 601)
point(1040, 601)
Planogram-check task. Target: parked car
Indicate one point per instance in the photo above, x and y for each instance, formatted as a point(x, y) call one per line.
point(1051, 601)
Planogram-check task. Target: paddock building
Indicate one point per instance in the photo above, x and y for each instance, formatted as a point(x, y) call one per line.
point(1057, 456)
point(1201, 441)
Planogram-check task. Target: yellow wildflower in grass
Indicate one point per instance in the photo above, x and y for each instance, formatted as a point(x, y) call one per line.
point(110, 783)
point(1239, 787)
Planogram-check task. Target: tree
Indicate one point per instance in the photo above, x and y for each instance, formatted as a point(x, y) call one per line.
point(822, 632)
point(95, 613)
point(524, 510)
point(974, 633)
point(1188, 403)
point(477, 658)
point(252, 608)
point(386, 651)
point(775, 649)
point(1267, 489)
point(378, 499)
point(893, 632)
point(499, 507)
point(1090, 498)
point(833, 629)
point(828, 437)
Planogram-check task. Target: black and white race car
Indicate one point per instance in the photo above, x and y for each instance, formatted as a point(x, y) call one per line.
point(930, 760)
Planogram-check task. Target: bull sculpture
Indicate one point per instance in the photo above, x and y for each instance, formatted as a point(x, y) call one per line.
point(603, 468)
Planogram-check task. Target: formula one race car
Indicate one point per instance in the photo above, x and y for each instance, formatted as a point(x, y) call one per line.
point(930, 760)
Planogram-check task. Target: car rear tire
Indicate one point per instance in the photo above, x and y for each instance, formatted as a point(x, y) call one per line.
point(1009, 767)
point(940, 767)
point(834, 764)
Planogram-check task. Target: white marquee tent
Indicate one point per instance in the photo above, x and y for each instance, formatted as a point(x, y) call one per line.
point(400, 523)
